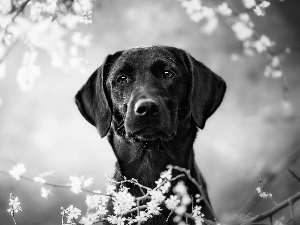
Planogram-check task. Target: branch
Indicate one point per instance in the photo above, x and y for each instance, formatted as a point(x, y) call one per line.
point(188, 174)
point(285, 163)
point(294, 175)
point(53, 185)
point(274, 210)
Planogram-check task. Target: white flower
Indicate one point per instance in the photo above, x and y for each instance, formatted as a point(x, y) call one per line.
point(180, 188)
point(110, 189)
point(157, 196)
point(180, 210)
point(212, 20)
point(17, 171)
point(263, 193)
point(166, 174)
point(224, 9)
point(242, 31)
point(143, 217)
point(196, 17)
point(14, 205)
point(259, 11)
point(198, 215)
point(51, 6)
point(165, 188)
point(264, 4)
point(45, 192)
point(101, 210)
point(191, 6)
point(39, 180)
point(90, 219)
point(116, 220)
point(96, 200)
point(5, 6)
point(88, 182)
point(172, 202)
point(78, 182)
point(186, 199)
point(275, 62)
point(86, 17)
point(153, 208)
point(72, 213)
point(70, 21)
point(36, 10)
point(82, 6)
point(244, 17)
point(249, 3)
point(75, 184)
point(123, 201)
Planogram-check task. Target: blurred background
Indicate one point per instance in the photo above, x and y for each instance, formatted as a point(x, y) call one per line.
point(254, 132)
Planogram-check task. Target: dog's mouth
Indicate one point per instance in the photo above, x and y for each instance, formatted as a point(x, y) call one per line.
point(150, 133)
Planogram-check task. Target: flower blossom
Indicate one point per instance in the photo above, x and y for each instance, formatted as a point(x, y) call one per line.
point(153, 207)
point(262, 192)
point(260, 9)
point(116, 220)
point(90, 219)
point(172, 202)
point(123, 201)
point(17, 171)
point(14, 205)
point(157, 196)
point(39, 180)
point(78, 182)
point(224, 9)
point(242, 31)
point(249, 3)
point(72, 213)
point(45, 192)
point(110, 189)
point(262, 44)
point(198, 215)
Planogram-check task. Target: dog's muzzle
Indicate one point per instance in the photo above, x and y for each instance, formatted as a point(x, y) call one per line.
point(146, 108)
point(148, 119)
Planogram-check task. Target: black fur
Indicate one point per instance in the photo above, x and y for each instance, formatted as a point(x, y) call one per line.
point(150, 101)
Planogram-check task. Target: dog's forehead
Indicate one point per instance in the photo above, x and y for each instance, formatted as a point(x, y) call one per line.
point(144, 55)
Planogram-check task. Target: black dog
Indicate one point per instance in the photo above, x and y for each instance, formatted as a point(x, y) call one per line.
point(150, 101)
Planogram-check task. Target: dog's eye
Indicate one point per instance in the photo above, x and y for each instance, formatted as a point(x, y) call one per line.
point(168, 74)
point(123, 79)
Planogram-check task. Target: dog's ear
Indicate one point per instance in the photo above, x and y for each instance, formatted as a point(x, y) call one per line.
point(93, 102)
point(206, 93)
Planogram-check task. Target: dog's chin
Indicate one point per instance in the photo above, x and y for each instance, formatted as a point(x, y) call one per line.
point(150, 134)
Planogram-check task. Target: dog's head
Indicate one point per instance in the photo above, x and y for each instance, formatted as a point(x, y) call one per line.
point(148, 91)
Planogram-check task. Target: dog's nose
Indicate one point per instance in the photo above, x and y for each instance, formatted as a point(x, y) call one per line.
point(146, 107)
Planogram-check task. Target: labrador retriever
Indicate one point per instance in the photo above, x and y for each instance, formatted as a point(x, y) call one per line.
point(150, 102)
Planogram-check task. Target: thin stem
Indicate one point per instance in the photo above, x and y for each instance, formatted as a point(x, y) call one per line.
point(275, 209)
point(294, 175)
point(188, 174)
point(292, 213)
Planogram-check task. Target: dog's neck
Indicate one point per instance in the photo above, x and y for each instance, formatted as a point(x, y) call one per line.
point(145, 160)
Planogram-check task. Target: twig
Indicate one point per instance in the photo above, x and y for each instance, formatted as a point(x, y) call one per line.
point(286, 162)
point(53, 185)
point(292, 212)
point(188, 174)
point(294, 175)
point(274, 210)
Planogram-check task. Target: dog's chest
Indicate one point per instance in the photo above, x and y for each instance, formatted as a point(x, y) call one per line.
point(142, 161)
